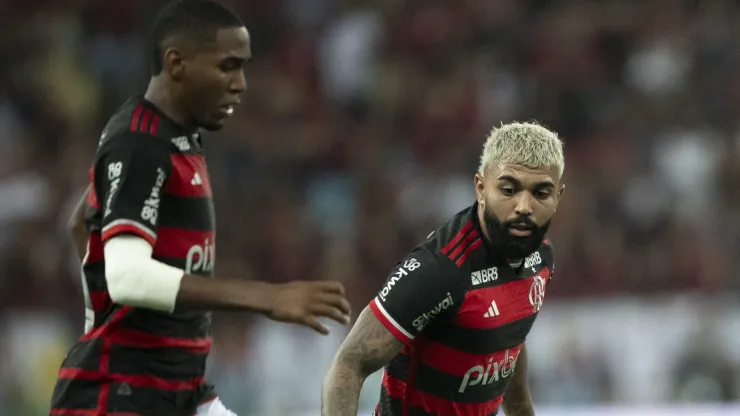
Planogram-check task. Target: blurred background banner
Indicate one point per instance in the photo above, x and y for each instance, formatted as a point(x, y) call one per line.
point(360, 133)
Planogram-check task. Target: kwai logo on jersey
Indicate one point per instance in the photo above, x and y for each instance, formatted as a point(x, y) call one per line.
point(114, 177)
point(200, 258)
point(484, 276)
point(151, 205)
point(537, 293)
point(492, 372)
point(423, 320)
point(408, 266)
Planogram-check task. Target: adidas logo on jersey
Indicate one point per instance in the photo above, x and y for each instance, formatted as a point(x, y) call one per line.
point(492, 310)
point(484, 276)
point(196, 180)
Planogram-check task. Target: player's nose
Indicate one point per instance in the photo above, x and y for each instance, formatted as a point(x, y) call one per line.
point(238, 83)
point(524, 206)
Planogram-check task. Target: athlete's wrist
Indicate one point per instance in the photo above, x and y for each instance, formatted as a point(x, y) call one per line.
point(259, 297)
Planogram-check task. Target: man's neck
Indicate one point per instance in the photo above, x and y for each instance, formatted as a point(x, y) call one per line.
point(158, 94)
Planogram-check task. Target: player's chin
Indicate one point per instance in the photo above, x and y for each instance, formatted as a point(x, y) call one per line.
point(214, 124)
point(519, 247)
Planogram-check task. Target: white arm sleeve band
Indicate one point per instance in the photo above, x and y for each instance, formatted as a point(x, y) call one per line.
point(135, 279)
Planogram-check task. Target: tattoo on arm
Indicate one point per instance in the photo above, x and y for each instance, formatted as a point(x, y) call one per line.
point(368, 348)
point(517, 401)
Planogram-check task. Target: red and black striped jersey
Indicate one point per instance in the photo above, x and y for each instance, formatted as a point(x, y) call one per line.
point(149, 178)
point(463, 314)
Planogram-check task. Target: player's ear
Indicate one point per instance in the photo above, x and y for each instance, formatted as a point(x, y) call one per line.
point(480, 188)
point(560, 191)
point(174, 63)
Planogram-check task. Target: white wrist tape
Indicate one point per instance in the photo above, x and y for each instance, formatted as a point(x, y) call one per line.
point(135, 279)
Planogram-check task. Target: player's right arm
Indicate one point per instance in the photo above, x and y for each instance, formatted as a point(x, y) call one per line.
point(130, 173)
point(76, 226)
point(391, 321)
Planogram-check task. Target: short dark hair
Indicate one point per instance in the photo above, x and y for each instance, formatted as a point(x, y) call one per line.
point(199, 20)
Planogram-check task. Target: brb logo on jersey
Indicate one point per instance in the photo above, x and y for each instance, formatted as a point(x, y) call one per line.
point(533, 260)
point(408, 266)
point(200, 258)
point(424, 319)
point(484, 276)
point(494, 371)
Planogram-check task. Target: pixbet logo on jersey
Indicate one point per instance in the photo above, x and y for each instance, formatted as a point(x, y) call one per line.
point(494, 371)
point(200, 258)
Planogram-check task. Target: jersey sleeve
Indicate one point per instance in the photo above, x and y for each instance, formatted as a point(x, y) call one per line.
point(130, 174)
point(416, 293)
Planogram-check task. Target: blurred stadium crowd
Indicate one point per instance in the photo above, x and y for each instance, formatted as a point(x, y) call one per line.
point(360, 132)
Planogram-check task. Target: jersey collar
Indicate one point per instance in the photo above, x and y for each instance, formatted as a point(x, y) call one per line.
point(487, 244)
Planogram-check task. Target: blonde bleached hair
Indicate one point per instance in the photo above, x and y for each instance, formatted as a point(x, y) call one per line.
point(526, 144)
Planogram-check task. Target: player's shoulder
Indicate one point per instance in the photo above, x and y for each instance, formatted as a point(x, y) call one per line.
point(139, 123)
point(447, 242)
point(547, 251)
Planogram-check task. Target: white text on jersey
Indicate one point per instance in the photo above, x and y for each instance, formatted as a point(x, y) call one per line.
point(423, 320)
point(533, 260)
point(181, 143)
point(200, 258)
point(114, 176)
point(493, 372)
point(408, 266)
point(151, 205)
point(484, 276)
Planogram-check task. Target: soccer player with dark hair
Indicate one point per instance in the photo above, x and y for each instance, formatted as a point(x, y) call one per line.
point(149, 235)
point(450, 323)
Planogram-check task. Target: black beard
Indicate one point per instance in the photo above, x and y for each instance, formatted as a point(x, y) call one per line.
point(511, 246)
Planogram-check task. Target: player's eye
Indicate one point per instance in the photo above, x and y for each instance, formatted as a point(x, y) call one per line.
point(508, 191)
point(230, 65)
point(542, 194)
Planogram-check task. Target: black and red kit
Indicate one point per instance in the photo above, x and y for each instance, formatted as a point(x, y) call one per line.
point(149, 179)
point(463, 314)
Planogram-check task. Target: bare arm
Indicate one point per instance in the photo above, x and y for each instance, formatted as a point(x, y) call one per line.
point(76, 227)
point(517, 401)
point(136, 279)
point(296, 302)
point(368, 348)
point(129, 175)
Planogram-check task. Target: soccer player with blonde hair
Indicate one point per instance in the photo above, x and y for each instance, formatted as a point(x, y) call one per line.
point(450, 323)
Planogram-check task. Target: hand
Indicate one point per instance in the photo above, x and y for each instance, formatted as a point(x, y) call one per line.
point(303, 302)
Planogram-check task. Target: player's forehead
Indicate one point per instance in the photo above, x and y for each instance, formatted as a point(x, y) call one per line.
point(508, 172)
point(232, 43)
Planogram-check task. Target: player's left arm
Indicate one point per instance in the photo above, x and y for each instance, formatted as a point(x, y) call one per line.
point(517, 401)
point(76, 227)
